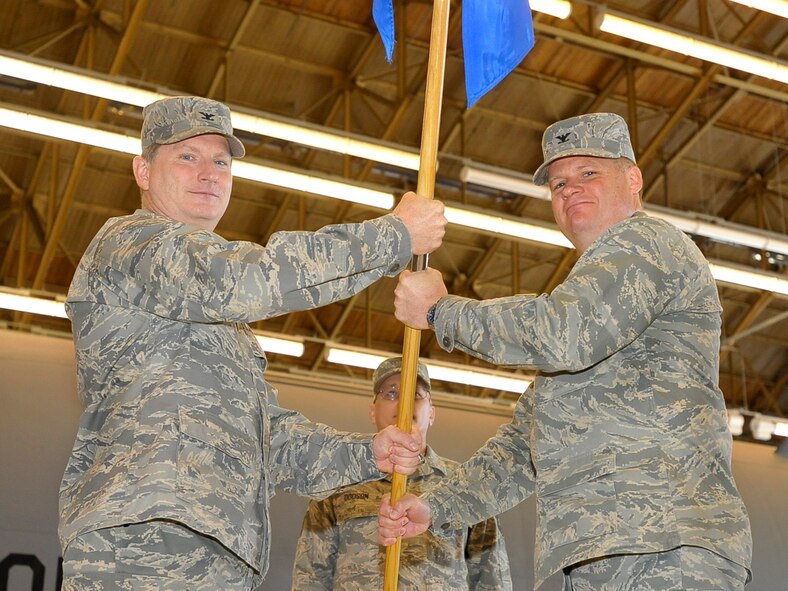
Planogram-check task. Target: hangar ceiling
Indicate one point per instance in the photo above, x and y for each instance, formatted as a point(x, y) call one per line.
point(711, 142)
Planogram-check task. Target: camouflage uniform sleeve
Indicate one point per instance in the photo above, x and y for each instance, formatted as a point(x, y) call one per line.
point(497, 477)
point(186, 273)
point(316, 550)
point(314, 460)
point(616, 289)
point(486, 557)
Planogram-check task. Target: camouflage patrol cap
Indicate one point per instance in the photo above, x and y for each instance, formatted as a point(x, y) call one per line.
point(602, 135)
point(177, 118)
point(393, 365)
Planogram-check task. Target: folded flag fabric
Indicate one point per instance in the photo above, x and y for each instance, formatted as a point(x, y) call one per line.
point(383, 15)
point(496, 36)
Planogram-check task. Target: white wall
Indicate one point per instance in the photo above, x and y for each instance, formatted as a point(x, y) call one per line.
point(39, 413)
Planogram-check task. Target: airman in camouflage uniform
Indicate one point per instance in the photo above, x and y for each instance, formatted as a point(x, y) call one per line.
point(623, 435)
point(338, 549)
point(182, 441)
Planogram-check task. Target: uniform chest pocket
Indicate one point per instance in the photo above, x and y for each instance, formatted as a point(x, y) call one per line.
point(214, 457)
point(577, 499)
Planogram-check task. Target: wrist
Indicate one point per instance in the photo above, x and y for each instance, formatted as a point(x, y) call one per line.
point(431, 315)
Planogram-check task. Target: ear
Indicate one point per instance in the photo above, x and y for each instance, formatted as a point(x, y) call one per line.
point(141, 172)
point(432, 414)
point(635, 176)
point(372, 413)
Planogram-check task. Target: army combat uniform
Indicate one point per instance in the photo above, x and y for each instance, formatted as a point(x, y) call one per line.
point(179, 424)
point(338, 548)
point(623, 435)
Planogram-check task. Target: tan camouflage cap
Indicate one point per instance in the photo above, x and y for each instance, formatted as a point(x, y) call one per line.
point(602, 135)
point(177, 118)
point(392, 366)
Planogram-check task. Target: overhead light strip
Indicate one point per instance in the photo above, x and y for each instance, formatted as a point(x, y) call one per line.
point(68, 131)
point(446, 372)
point(762, 427)
point(503, 180)
point(778, 7)
point(311, 183)
point(506, 226)
point(269, 175)
point(557, 8)
point(24, 301)
point(738, 275)
point(692, 45)
point(722, 230)
point(708, 226)
point(307, 135)
point(271, 343)
point(781, 429)
point(76, 80)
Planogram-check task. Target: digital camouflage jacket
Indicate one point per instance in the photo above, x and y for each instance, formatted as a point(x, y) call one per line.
point(623, 435)
point(179, 422)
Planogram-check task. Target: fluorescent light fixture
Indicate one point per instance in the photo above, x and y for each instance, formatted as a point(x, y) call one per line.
point(438, 370)
point(727, 273)
point(762, 428)
point(715, 228)
point(308, 135)
point(74, 80)
point(735, 422)
point(778, 7)
point(65, 130)
point(722, 230)
point(557, 8)
point(275, 344)
point(355, 358)
point(476, 378)
point(84, 82)
point(504, 181)
point(299, 181)
point(22, 301)
point(687, 44)
point(508, 226)
point(278, 177)
point(781, 429)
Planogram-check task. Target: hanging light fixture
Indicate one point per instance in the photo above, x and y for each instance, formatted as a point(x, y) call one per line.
point(778, 7)
point(495, 380)
point(692, 45)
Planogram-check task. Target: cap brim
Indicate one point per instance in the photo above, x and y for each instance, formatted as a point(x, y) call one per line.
point(384, 377)
point(397, 371)
point(540, 176)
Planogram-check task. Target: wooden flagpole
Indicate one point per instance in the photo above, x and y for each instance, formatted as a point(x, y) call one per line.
point(433, 100)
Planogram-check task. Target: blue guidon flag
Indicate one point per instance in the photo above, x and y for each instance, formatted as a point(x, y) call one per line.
point(496, 36)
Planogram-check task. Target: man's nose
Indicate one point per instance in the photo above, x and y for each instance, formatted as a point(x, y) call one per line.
point(208, 172)
point(570, 188)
